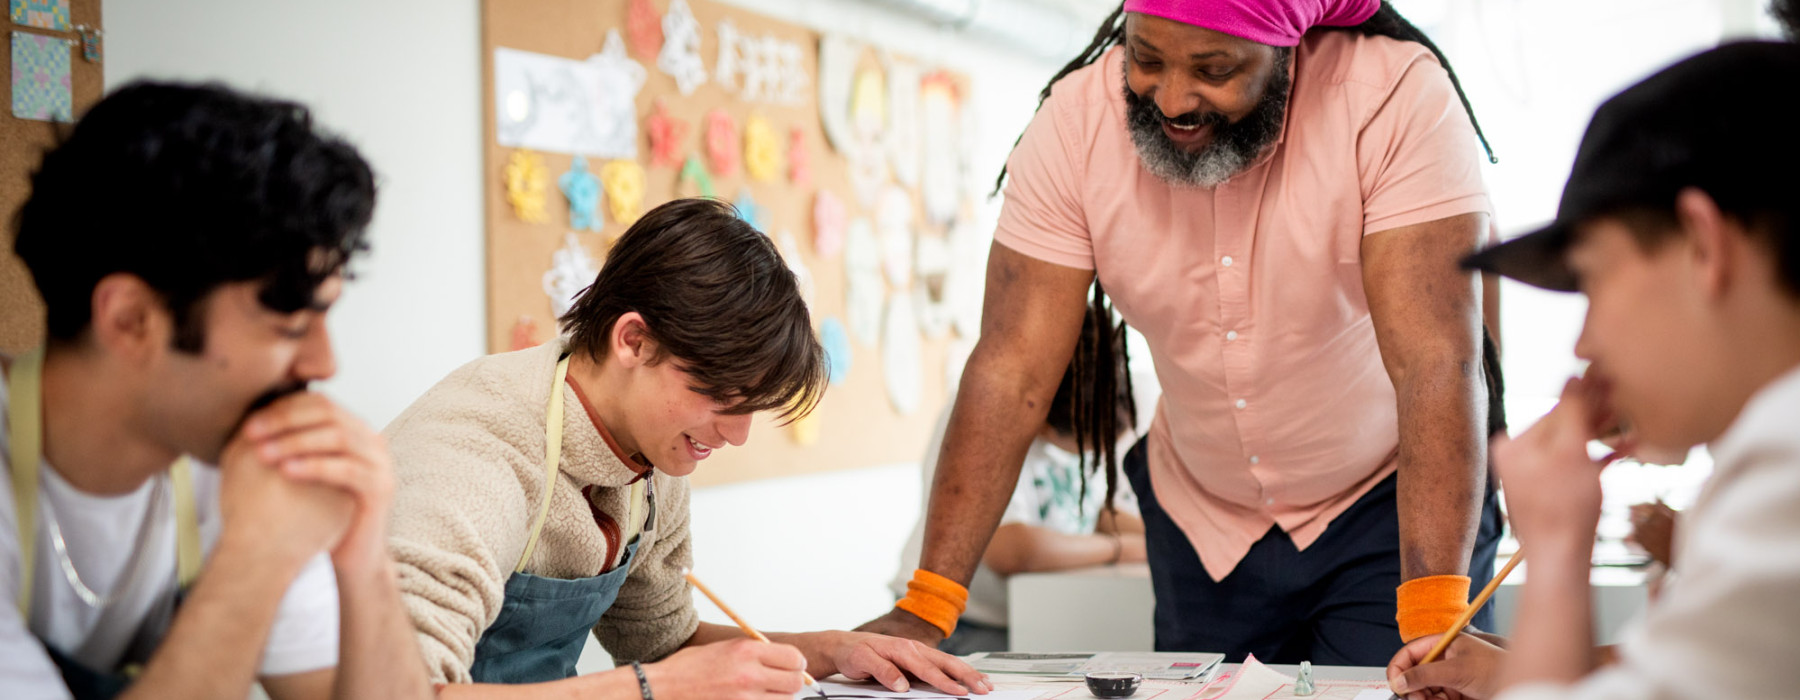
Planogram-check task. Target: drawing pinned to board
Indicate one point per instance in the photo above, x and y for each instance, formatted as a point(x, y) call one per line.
point(680, 56)
point(868, 123)
point(829, 219)
point(790, 254)
point(752, 213)
point(864, 291)
point(902, 365)
point(528, 187)
point(582, 188)
point(624, 181)
point(894, 229)
point(90, 42)
point(721, 143)
point(666, 135)
point(771, 68)
point(836, 342)
point(931, 264)
point(942, 185)
point(550, 103)
point(645, 25)
point(43, 14)
point(969, 245)
point(903, 120)
point(799, 158)
point(762, 149)
point(40, 77)
point(572, 269)
point(837, 71)
point(694, 180)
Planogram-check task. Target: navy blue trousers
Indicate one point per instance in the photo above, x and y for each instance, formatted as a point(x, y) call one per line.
point(1330, 604)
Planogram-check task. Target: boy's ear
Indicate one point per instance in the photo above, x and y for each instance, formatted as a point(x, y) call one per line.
point(1704, 227)
point(630, 343)
point(127, 318)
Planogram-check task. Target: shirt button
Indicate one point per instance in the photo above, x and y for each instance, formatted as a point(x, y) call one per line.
point(1242, 403)
point(1231, 335)
point(1254, 459)
point(1268, 501)
point(1226, 261)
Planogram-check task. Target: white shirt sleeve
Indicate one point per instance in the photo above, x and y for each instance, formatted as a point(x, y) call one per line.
point(305, 634)
point(25, 668)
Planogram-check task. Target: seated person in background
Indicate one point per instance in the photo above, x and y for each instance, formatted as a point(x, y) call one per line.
point(542, 494)
point(1681, 226)
point(1056, 520)
point(188, 242)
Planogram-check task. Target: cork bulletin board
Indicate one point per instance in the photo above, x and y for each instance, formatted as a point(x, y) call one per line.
point(883, 405)
point(22, 144)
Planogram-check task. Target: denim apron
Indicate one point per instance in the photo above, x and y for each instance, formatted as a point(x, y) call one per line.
point(544, 622)
point(25, 425)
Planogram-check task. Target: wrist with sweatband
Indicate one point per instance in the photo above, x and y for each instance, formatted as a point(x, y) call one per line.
point(1430, 605)
point(935, 599)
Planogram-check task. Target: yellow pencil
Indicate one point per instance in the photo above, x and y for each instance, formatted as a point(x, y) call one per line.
point(745, 626)
point(1487, 592)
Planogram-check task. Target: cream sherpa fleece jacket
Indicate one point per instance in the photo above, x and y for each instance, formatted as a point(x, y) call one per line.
point(469, 462)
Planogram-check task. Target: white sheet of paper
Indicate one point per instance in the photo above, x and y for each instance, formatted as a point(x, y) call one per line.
point(870, 690)
point(550, 103)
point(1374, 695)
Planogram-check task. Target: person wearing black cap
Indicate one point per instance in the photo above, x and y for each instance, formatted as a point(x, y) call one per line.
point(1681, 225)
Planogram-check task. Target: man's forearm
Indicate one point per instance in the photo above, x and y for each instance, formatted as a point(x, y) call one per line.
point(217, 638)
point(378, 649)
point(1442, 470)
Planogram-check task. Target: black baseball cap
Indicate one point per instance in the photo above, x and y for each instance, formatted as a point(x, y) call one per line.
point(1726, 121)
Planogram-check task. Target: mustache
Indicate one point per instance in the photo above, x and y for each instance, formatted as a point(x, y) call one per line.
point(275, 394)
point(1144, 113)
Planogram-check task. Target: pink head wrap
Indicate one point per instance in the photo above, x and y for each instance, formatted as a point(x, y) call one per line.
point(1272, 22)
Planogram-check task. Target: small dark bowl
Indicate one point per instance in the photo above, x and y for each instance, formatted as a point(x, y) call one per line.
point(1113, 685)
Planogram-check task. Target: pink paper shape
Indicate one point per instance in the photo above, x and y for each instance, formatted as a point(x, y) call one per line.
point(829, 220)
point(666, 135)
point(799, 159)
point(645, 25)
point(722, 143)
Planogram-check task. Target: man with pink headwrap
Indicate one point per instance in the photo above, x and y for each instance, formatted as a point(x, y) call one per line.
point(1275, 193)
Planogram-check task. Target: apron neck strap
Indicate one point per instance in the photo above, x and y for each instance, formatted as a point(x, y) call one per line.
point(553, 433)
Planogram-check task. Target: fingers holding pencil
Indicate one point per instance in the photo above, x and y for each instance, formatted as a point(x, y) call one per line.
point(745, 626)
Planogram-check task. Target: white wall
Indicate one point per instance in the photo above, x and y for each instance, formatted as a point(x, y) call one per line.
point(401, 80)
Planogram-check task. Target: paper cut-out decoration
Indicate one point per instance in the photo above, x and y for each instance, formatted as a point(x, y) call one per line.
point(956, 357)
point(762, 150)
point(894, 228)
point(90, 42)
point(963, 283)
point(931, 264)
point(942, 186)
point(836, 342)
point(43, 14)
point(805, 429)
point(582, 189)
point(865, 293)
point(829, 219)
point(624, 181)
point(41, 78)
point(902, 366)
point(528, 187)
point(837, 65)
point(799, 159)
point(751, 212)
point(790, 254)
point(771, 68)
point(549, 103)
point(524, 333)
point(721, 143)
point(695, 181)
point(868, 124)
point(645, 25)
point(666, 135)
point(903, 120)
point(680, 56)
point(572, 269)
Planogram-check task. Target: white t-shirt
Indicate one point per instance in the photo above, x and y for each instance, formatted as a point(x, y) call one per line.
point(1048, 495)
point(100, 534)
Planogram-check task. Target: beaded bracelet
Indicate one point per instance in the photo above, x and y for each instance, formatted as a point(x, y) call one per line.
point(643, 682)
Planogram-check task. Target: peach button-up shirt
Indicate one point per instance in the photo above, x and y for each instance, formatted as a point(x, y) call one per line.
point(1277, 410)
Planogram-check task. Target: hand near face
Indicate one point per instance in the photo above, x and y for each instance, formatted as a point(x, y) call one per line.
point(271, 514)
point(1552, 486)
point(889, 660)
point(318, 444)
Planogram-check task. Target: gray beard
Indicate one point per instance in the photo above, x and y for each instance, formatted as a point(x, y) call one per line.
point(1234, 146)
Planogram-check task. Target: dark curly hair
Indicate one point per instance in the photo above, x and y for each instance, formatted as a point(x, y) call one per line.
point(1787, 12)
point(189, 187)
point(717, 298)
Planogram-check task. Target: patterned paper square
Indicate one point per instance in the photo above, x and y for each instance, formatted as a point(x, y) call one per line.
point(45, 14)
point(40, 78)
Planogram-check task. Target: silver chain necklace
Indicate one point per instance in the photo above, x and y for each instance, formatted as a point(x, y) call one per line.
point(132, 567)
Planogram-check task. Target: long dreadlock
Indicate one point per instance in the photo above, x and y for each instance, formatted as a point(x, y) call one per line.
point(1102, 344)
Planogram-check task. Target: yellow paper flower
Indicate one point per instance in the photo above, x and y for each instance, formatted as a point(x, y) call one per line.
point(528, 187)
point(624, 184)
point(805, 430)
point(762, 151)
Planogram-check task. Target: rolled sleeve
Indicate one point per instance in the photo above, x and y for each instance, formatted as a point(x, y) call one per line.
point(1417, 154)
point(1042, 214)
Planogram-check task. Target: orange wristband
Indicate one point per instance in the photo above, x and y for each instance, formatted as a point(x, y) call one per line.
point(935, 599)
point(1430, 605)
